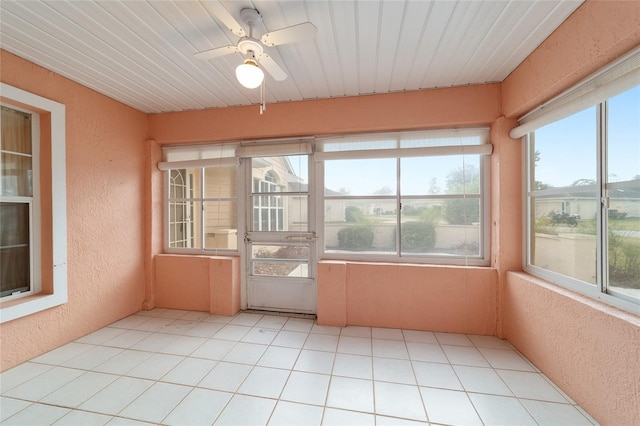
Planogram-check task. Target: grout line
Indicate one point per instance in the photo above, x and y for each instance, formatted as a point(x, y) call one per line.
point(160, 333)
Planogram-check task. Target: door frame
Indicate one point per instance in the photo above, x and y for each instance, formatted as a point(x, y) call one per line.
point(245, 185)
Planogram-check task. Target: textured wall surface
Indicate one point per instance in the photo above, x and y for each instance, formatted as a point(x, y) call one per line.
point(457, 106)
point(597, 33)
point(418, 297)
point(589, 349)
point(104, 142)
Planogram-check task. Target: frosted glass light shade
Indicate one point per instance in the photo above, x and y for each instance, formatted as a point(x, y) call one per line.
point(249, 75)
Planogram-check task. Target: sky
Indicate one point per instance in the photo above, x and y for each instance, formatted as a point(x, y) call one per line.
point(568, 147)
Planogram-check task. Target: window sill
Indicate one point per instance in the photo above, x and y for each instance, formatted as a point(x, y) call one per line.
point(31, 304)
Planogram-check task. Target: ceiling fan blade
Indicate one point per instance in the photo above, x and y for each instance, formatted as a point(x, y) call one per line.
point(218, 10)
point(271, 67)
point(297, 33)
point(217, 52)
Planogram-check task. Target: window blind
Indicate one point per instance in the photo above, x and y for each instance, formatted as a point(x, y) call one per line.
point(406, 144)
point(195, 156)
point(618, 77)
point(269, 150)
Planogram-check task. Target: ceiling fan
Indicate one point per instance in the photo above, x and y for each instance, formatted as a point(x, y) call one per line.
point(249, 74)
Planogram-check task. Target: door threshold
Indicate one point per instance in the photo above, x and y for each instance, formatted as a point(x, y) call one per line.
point(281, 314)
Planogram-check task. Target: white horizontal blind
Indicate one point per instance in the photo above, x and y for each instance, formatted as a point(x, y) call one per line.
point(406, 144)
point(618, 77)
point(274, 150)
point(195, 156)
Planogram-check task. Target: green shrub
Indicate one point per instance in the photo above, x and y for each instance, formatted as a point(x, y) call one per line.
point(353, 214)
point(355, 238)
point(418, 236)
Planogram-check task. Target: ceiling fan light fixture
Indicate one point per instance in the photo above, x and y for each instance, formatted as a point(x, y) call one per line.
point(249, 74)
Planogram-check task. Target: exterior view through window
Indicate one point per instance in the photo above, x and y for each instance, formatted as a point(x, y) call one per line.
point(203, 212)
point(584, 207)
point(412, 195)
point(16, 203)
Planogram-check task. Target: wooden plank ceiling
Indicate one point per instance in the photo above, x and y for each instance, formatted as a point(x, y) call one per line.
point(142, 52)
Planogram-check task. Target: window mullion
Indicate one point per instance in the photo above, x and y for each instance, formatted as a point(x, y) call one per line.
point(602, 194)
point(201, 196)
point(398, 209)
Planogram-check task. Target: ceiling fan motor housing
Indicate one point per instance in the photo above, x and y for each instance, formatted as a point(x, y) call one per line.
point(250, 17)
point(247, 44)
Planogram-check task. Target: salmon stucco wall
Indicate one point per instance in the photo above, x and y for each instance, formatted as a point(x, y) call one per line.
point(597, 33)
point(418, 297)
point(589, 349)
point(104, 159)
point(198, 283)
point(467, 106)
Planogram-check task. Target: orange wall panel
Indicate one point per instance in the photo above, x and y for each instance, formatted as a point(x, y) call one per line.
point(458, 106)
point(589, 349)
point(419, 297)
point(197, 283)
point(104, 214)
point(597, 33)
point(182, 282)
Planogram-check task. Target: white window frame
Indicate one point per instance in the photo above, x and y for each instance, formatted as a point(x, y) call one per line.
point(33, 202)
point(614, 79)
point(199, 157)
point(35, 301)
point(483, 149)
point(187, 221)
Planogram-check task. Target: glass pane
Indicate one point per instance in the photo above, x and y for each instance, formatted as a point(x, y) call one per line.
point(283, 269)
point(280, 174)
point(280, 213)
point(623, 150)
point(428, 229)
point(16, 131)
point(184, 219)
point(220, 182)
point(624, 241)
point(624, 209)
point(360, 177)
point(221, 224)
point(564, 234)
point(280, 251)
point(451, 174)
point(280, 260)
point(184, 183)
point(17, 176)
point(14, 248)
point(362, 225)
point(574, 139)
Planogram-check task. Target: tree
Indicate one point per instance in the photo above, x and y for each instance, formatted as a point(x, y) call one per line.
point(538, 184)
point(385, 190)
point(463, 211)
point(433, 186)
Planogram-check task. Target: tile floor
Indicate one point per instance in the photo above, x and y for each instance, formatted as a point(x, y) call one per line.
point(175, 367)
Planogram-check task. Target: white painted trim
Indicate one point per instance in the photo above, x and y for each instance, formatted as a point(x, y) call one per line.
point(40, 302)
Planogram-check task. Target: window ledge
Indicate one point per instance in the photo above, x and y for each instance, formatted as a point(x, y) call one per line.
point(18, 308)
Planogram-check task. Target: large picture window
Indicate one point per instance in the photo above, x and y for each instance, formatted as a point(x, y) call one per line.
point(584, 199)
point(420, 196)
